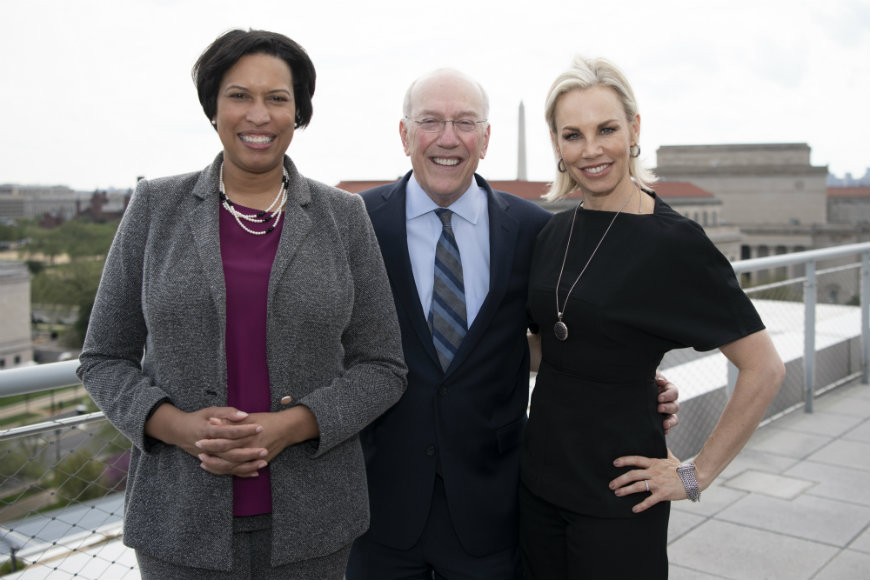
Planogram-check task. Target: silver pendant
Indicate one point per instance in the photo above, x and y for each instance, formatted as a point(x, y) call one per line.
point(560, 329)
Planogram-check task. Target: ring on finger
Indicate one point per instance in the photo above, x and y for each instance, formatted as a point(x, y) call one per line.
point(646, 483)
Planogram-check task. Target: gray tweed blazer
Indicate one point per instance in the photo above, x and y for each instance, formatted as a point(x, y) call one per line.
point(333, 345)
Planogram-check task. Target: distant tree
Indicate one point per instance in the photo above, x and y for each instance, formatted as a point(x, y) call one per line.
point(12, 566)
point(77, 476)
point(78, 239)
point(35, 266)
point(10, 233)
point(73, 284)
point(70, 285)
point(80, 328)
point(86, 239)
point(67, 284)
point(45, 242)
point(17, 461)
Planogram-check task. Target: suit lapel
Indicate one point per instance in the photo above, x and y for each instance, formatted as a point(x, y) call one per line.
point(389, 221)
point(203, 220)
point(502, 244)
point(296, 226)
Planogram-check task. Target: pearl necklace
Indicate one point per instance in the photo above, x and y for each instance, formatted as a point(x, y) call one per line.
point(274, 210)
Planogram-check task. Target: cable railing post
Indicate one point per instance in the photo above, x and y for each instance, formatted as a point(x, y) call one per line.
point(865, 317)
point(809, 334)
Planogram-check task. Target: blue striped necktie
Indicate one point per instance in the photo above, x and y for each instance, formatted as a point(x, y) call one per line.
point(447, 317)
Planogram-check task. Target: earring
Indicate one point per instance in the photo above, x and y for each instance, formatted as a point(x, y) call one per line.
point(634, 150)
point(214, 122)
point(561, 166)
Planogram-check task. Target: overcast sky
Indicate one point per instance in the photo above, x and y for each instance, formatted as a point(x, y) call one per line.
point(97, 93)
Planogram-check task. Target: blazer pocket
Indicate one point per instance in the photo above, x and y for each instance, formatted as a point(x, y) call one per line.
point(510, 436)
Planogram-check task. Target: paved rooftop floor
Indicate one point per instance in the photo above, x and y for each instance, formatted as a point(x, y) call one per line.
point(795, 504)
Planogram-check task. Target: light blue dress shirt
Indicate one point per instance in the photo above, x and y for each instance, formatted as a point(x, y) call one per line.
point(471, 229)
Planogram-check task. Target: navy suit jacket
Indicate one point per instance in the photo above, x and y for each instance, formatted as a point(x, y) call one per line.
point(470, 418)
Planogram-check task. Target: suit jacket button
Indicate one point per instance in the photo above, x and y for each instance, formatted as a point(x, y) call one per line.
point(430, 451)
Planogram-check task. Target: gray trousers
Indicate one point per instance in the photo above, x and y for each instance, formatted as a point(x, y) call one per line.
point(252, 545)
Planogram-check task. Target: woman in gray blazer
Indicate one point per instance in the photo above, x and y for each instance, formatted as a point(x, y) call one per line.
point(260, 301)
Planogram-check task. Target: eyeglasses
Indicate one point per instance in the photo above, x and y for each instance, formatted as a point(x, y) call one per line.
point(437, 125)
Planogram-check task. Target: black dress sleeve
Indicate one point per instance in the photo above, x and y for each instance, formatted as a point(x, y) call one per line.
point(697, 301)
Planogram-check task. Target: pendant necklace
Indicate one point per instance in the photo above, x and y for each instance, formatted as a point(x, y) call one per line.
point(560, 329)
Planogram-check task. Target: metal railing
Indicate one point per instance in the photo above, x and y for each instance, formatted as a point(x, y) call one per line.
point(809, 260)
point(61, 478)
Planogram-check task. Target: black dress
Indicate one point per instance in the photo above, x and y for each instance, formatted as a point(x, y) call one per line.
point(656, 283)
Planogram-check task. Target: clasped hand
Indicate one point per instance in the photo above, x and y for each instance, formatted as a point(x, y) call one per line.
point(235, 451)
point(228, 441)
point(660, 474)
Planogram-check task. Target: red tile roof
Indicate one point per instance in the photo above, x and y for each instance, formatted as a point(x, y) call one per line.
point(667, 189)
point(358, 186)
point(862, 191)
point(533, 190)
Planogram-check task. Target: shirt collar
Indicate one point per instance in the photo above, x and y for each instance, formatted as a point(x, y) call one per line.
point(468, 206)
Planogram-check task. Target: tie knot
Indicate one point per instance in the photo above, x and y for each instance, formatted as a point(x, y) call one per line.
point(444, 216)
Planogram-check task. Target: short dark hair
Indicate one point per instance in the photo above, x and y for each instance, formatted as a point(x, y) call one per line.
point(228, 48)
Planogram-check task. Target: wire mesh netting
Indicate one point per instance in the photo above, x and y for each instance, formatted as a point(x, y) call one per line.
point(61, 484)
point(61, 497)
point(704, 378)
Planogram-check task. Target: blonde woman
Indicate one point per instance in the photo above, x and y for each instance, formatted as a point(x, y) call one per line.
point(615, 283)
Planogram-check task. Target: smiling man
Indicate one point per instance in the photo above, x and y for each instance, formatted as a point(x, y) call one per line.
point(443, 463)
point(445, 132)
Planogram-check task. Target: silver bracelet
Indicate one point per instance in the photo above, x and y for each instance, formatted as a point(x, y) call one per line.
point(686, 472)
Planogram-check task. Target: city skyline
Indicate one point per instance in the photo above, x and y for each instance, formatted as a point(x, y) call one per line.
point(104, 94)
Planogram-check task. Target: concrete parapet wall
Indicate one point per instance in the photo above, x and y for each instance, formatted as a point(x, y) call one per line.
point(699, 414)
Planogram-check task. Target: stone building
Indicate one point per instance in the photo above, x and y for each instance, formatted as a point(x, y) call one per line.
point(104, 205)
point(849, 205)
point(758, 184)
point(29, 201)
point(15, 347)
point(777, 199)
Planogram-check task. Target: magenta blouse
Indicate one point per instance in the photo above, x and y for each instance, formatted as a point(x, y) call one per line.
point(247, 261)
